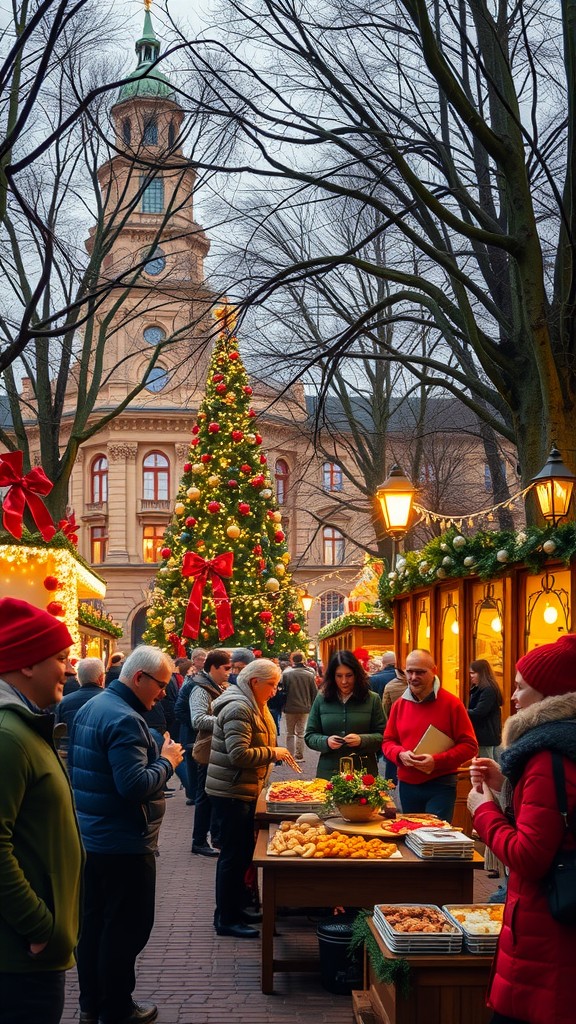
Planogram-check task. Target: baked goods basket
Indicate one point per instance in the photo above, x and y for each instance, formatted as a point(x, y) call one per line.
point(417, 928)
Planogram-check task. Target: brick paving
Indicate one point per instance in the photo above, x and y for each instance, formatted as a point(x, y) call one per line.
point(196, 977)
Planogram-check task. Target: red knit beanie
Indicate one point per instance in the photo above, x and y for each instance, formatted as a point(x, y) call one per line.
point(551, 669)
point(28, 635)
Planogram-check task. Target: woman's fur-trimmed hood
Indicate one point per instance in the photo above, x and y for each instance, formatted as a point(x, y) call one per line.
point(551, 709)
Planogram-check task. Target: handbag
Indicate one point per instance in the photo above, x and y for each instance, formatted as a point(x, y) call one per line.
point(560, 882)
point(202, 746)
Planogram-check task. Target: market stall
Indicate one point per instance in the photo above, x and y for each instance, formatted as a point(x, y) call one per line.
point(292, 881)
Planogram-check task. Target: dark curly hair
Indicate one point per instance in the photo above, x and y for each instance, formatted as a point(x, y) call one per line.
point(346, 658)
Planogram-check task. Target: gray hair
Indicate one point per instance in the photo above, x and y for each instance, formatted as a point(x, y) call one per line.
point(242, 654)
point(145, 659)
point(260, 668)
point(388, 658)
point(89, 670)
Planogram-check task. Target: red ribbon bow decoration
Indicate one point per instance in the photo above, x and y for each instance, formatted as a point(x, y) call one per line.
point(22, 491)
point(69, 527)
point(202, 570)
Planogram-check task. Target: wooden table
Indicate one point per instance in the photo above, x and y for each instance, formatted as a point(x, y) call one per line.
point(444, 989)
point(298, 882)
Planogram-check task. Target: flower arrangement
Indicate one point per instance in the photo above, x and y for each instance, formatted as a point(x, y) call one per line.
point(357, 788)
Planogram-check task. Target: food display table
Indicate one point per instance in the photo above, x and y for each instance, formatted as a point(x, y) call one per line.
point(448, 988)
point(297, 882)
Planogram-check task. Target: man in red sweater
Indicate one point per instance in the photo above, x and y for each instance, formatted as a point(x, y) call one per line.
point(427, 782)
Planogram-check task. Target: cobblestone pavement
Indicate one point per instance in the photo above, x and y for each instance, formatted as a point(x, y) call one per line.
point(196, 977)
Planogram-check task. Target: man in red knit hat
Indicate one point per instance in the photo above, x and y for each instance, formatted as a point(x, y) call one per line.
point(40, 849)
point(426, 781)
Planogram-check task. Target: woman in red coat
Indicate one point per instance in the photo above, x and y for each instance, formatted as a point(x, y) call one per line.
point(516, 813)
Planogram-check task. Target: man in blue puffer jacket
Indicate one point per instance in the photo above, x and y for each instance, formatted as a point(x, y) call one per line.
point(119, 776)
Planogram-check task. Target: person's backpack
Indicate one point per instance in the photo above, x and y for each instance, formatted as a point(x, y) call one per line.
point(182, 705)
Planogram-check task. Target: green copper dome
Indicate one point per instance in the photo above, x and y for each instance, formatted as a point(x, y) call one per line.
point(147, 80)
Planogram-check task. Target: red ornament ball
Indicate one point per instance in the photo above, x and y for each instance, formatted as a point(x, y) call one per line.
point(213, 428)
point(234, 356)
point(259, 438)
point(265, 616)
point(55, 608)
point(220, 389)
point(195, 428)
point(290, 616)
point(194, 442)
point(256, 653)
point(251, 412)
point(244, 508)
point(263, 460)
point(214, 506)
point(218, 377)
point(247, 390)
point(187, 467)
point(166, 552)
point(232, 483)
point(190, 521)
point(258, 481)
point(206, 457)
point(51, 583)
point(279, 536)
point(245, 468)
point(294, 627)
point(237, 435)
point(257, 549)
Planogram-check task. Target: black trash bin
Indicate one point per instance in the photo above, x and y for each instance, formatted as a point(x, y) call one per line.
point(340, 972)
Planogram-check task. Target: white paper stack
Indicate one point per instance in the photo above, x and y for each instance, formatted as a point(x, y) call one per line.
point(440, 843)
point(414, 941)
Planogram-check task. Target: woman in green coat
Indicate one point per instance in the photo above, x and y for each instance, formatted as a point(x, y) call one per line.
point(346, 719)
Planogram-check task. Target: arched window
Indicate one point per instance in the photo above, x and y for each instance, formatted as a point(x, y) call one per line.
point(333, 546)
point(281, 474)
point(157, 379)
point(127, 131)
point(156, 262)
point(154, 334)
point(150, 134)
point(152, 543)
point(331, 606)
point(156, 477)
point(99, 480)
point(331, 476)
point(152, 194)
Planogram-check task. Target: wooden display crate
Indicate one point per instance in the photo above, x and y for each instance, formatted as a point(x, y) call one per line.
point(444, 989)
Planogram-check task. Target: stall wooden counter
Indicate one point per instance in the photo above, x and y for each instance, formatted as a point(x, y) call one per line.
point(297, 882)
point(444, 989)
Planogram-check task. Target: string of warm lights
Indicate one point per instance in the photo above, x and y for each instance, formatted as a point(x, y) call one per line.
point(447, 520)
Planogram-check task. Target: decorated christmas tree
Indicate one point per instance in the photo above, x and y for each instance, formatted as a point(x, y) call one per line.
point(224, 579)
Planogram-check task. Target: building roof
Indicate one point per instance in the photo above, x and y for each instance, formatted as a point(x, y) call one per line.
point(443, 414)
point(147, 81)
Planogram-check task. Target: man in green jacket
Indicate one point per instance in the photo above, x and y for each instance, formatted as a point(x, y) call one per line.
point(41, 853)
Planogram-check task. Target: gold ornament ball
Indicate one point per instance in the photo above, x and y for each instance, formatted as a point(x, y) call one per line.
point(233, 531)
point(277, 517)
point(280, 568)
point(198, 467)
point(193, 493)
point(251, 438)
point(272, 585)
point(213, 481)
point(266, 493)
point(179, 508)
point(285, 558)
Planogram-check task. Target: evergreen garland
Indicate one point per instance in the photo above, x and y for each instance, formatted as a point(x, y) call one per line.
point(389, 972)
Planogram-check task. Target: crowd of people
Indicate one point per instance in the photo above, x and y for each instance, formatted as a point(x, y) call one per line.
point(84, 792)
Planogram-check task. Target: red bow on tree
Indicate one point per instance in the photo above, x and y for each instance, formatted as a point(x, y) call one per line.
point(202, 570)
point(22, 491)
point(69, 527)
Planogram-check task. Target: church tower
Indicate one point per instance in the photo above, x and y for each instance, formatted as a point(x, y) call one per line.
point(149, 251)
point(150, 247)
